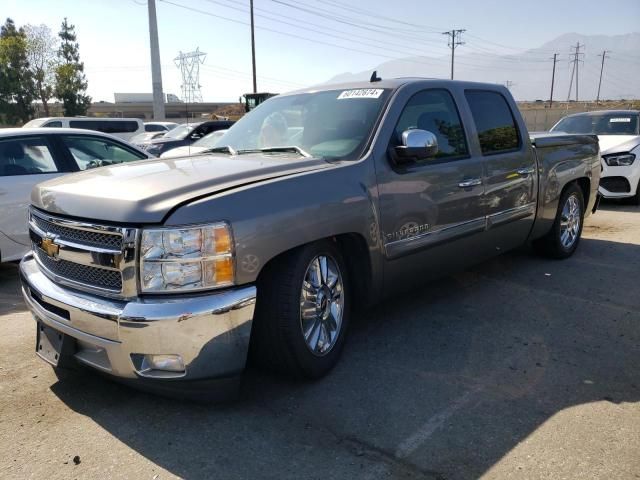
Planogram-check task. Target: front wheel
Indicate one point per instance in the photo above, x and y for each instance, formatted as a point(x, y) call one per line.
point(302, 311)
point(564, 236)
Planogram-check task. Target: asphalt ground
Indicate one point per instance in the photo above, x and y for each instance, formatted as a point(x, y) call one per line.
point(520, 367)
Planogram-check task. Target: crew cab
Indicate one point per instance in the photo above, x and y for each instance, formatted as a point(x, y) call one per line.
point(618, 132)
point(170, 273)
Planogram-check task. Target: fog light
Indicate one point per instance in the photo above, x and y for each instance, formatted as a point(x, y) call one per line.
point(167, 363)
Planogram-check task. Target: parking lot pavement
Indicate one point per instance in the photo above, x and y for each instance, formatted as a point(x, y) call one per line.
point(520, 367)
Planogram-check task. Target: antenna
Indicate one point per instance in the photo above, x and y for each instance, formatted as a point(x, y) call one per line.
point(189, 65)
point(374, 77)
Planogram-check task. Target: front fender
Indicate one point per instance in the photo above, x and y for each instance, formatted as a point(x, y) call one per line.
point(274, 216)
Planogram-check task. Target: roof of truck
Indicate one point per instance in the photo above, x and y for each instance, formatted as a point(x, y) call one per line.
point(390, 83)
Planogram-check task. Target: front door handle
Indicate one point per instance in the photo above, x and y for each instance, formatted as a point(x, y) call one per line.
point(471, 182)
point(525, 171)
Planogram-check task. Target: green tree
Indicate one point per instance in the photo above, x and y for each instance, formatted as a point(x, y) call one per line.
point(17, 87)
point(70, 82)
point(41, 53)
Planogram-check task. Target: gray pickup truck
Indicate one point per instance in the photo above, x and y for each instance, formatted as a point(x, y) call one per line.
point(171, 273)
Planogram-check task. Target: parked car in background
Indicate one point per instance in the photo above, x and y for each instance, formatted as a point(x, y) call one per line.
point(31, 156)
point(184, 134)
point(200, 146)
point(123, 128)
point(159, 126)
point(145, 137)
point(314, 203)
point(618, 132)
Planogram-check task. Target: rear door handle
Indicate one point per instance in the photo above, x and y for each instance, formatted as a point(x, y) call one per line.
point(471, 182)
point(525, 171)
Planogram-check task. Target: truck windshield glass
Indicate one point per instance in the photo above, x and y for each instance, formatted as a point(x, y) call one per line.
point(600, 124)
point(334, 124)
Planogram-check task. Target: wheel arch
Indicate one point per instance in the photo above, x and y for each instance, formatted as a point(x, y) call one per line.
point(356, 255)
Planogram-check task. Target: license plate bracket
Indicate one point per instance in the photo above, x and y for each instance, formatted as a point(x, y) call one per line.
point(54, 347)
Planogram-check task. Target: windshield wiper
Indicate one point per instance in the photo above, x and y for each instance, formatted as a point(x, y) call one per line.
point(224, 149)
point(290, 149)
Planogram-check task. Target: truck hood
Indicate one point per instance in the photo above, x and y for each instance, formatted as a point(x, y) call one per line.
point(145, 191)
point(183, 151)
point(617, 143)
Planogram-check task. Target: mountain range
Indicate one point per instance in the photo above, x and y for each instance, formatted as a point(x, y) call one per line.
point(529, 72)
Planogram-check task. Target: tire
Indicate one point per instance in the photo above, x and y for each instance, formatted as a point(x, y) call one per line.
point(635, 200)
point(278, 341)
point(563, 238)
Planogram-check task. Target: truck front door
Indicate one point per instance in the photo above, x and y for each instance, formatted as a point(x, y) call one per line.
point(431, 211)
point(511, 177)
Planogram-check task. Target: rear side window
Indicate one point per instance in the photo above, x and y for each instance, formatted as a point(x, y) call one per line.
point(54, 124)
point(435, 111)
point(494, 120)
point(26, 156)
point(90, 152)
point(154, 128)
point(106, 126)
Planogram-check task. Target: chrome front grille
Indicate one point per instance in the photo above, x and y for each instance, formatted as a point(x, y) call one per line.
point(87, 256)
point(83, 237)
point(91, 276)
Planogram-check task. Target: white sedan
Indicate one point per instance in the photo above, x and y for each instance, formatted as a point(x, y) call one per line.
point(619, 137)
point(202, 145)
point(30, 156)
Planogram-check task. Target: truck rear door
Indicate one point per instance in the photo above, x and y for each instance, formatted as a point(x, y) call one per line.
point(510, 175)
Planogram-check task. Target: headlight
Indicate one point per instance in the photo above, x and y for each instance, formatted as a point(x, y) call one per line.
point(619, 159)
point(189, 258)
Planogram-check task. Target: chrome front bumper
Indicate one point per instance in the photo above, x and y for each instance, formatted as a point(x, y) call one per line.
point(210, 332)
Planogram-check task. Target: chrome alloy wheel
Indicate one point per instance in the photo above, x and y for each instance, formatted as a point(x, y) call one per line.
point(321, 304)
point(570, 222)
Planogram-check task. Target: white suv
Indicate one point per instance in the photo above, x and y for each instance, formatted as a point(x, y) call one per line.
point(619, 137)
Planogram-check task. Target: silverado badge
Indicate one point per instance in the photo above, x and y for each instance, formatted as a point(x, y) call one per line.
point(51, 249)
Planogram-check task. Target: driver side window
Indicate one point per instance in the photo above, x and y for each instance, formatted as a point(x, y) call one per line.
point(90, 152)
point(435, 111)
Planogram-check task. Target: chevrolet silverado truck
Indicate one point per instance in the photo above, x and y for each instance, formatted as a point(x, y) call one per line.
point(171, 273)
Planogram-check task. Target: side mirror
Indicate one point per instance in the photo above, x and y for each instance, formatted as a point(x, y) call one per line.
point(416, 145)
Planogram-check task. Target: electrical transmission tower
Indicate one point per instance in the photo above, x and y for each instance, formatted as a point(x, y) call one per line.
point(575, 70)
point(604, 55)
point(189, 65)
point(454, 41)
point(509, 84)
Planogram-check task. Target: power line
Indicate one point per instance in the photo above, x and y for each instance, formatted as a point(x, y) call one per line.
point(189, 65)
point(453, 43)
point(604, 55)
point(553, 78)
point(574, 71)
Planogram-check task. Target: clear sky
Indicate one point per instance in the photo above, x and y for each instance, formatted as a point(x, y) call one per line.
point(301, 46)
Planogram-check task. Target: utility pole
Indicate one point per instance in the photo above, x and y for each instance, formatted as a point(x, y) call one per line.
point(253, 48)
point(575, 70)
point(604, 55)
point(553, 78)
point(453, 42)
point(156, 73)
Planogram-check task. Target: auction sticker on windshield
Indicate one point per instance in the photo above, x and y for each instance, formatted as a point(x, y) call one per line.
point(361, 93)
point(620, 120)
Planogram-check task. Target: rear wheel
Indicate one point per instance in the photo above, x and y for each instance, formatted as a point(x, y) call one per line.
point(302, 312)
point(564, 236)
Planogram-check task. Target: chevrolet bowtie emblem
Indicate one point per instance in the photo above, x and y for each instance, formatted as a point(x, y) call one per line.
point(47, 244)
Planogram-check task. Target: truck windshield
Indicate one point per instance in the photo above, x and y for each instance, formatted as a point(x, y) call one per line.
point(599, 124)
point(333, 124)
